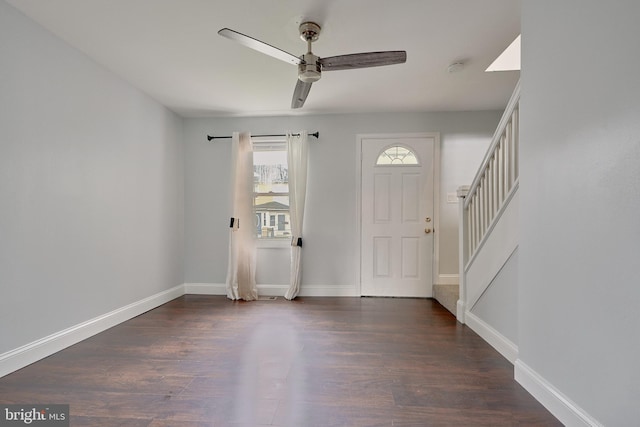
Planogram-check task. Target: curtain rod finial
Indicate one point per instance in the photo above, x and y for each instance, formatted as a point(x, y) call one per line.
point(316, 134)
point(209, 137)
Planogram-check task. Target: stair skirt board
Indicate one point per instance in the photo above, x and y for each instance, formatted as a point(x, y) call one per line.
point(497, 247)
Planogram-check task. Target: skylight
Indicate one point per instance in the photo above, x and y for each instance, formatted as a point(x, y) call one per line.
point(509, 60)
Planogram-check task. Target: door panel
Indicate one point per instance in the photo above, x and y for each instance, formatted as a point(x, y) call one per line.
point(410, 257)
point(382, 198)
point(396, 253)
point(381, 257)
point(410, 197)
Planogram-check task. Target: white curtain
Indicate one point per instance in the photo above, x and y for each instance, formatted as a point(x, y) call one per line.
point(241, 272)
point(297, 158)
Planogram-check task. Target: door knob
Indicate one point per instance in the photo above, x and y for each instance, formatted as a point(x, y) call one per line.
point(427, 230)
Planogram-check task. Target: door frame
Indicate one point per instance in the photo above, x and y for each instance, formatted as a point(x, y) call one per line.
point(436, 198)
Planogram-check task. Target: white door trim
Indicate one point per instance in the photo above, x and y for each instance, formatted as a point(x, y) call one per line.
point(436, 197)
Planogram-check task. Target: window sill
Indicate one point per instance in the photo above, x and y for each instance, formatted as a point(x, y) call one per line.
point(273, 243)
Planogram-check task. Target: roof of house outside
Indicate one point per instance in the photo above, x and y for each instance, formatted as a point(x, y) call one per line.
point(272, 206)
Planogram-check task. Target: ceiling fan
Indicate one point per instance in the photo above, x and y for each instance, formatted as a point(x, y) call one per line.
point(310, 66)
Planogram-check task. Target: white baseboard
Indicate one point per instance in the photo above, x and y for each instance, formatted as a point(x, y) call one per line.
point(498, 341)
point(329, 291)
point(448, 279)
point(275, 290)
point(205, 288)
point(27, 354)
point(563, 408)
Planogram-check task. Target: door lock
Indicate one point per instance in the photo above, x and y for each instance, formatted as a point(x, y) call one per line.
point(427, 219)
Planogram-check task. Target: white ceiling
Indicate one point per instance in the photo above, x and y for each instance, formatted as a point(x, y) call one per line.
point(170, 49)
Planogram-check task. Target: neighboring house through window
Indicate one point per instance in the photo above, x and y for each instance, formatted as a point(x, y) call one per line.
point(271, 190)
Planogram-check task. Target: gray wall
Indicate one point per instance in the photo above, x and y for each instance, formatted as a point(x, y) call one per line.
point(329, 257)
point(580, 202)
point(498, 305)
point(91, 187)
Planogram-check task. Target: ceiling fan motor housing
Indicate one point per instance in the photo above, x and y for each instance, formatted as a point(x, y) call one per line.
point(310, 69)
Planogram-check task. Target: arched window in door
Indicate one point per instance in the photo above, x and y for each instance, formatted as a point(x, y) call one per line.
point(397, 155)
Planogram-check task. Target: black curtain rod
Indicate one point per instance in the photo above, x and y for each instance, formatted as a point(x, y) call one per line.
point(209, 137)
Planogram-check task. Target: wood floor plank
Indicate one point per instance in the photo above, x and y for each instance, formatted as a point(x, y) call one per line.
point(206, 361)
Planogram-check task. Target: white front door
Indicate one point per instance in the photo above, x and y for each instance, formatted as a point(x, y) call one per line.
point(397, 221)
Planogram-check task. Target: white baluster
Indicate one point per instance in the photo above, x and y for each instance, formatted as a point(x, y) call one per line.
point(515, 135)
point(500, 157)
point(496, 182)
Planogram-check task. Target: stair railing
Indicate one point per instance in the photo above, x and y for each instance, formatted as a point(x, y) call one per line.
point(493, 186)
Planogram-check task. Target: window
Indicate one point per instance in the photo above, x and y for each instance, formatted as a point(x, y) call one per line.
point(397, 155)
point(271, 190)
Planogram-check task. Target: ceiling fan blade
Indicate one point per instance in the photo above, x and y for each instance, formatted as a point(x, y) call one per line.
point(363, 60)
point(300, 93)
point(260, 46)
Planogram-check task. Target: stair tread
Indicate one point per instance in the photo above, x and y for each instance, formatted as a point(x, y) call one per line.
point(447, 296)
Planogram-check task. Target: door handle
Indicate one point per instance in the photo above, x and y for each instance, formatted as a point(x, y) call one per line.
point(427, 230)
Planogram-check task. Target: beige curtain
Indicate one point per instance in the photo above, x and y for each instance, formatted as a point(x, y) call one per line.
point(297, 159)
point(241, 272)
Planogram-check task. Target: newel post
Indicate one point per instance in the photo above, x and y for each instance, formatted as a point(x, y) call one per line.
point(463, 240)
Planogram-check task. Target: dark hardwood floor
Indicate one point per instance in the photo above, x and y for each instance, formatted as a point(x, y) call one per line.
point(207, 361)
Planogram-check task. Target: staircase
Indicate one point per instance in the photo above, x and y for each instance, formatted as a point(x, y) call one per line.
point(489, 213)
point(488, 218)
point(488, 241)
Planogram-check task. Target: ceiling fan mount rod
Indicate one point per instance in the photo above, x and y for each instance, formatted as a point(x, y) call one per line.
point(309, 70)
